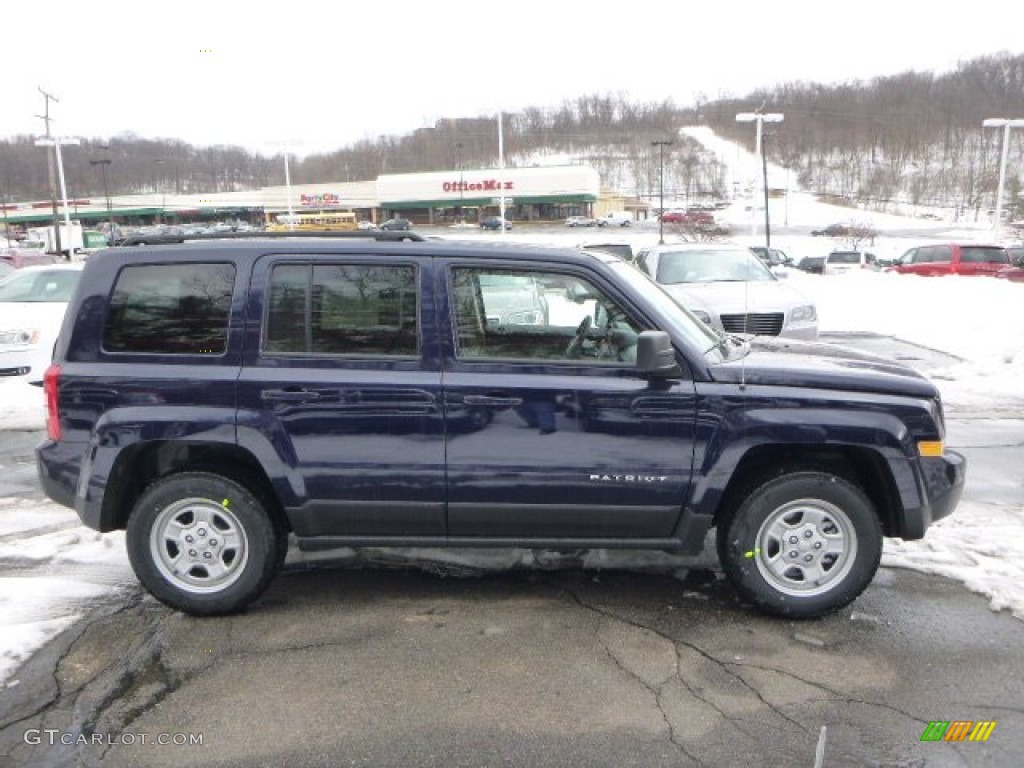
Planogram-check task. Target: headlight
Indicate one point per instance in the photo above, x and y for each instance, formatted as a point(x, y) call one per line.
point(804, 314)
point(19, 337)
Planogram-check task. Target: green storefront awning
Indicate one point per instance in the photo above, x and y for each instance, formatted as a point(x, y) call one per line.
point(487, 201)
point(97, 215)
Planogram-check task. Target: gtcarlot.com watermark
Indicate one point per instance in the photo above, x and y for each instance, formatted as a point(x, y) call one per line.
point(54, 736)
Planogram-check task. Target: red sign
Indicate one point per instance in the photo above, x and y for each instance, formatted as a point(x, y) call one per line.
point(320, 201)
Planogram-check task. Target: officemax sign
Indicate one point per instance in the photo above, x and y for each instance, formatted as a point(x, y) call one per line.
point(488, 185)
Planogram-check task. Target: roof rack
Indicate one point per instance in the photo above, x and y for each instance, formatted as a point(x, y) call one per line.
point(366, 234)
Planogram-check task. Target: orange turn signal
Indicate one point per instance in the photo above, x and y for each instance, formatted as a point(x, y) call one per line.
point(930, 447)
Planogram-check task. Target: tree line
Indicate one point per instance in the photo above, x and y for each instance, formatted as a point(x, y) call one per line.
point(914, 137)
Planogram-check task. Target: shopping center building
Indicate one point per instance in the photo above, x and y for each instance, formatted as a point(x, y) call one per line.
point(534, 194)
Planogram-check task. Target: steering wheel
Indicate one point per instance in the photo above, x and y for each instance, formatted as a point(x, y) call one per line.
point(576, 345)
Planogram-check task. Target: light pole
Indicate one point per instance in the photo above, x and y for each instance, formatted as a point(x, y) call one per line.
point(1006, 125)
point(56, 144)
point(162, 189)
point(288, 189)
point(106, 191)
point(759, 118)
point(661, 187)
point(501, 172)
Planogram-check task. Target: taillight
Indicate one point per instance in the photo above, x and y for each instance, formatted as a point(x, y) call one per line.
point(51, 382)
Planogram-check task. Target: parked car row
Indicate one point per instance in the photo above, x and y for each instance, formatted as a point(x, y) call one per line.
point(936, 259)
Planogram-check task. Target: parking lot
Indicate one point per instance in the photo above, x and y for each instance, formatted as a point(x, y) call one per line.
point(379, 662)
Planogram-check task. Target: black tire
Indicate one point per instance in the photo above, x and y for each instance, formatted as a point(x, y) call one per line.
point(228, 539)
point(801, 545)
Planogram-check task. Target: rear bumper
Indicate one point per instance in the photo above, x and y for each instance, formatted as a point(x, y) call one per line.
point(58, 466)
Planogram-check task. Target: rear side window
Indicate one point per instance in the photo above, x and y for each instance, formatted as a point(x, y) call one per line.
point(170, 309)
point(975, 255)
point(343, 309)
point(844, 257)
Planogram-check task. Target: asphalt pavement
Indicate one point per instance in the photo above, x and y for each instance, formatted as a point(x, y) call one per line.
point(444, 667)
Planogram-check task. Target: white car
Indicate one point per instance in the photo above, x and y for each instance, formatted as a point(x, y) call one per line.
point(33, 301)
point(840, 262)
point(579, 221)
point(730, 289)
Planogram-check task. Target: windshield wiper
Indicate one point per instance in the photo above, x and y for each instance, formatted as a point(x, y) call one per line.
point(731, 344)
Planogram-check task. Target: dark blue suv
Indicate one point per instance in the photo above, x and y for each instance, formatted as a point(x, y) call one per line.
point(214, 397)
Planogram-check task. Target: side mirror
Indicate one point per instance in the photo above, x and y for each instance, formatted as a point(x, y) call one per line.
point(577, 294)
point(655, 355)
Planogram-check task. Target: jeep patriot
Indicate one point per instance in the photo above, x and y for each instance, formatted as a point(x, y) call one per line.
point(214, 398)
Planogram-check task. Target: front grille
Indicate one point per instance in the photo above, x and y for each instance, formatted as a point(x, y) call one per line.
point(765, 324)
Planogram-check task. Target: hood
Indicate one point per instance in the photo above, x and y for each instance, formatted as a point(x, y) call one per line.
point(786, 363)
point(726, 298)
point(43, 315)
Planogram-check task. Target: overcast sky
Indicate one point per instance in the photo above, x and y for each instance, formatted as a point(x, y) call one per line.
point(325, 74)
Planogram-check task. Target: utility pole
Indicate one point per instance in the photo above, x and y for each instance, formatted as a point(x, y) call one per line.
point(45, 117)
point(661, 187)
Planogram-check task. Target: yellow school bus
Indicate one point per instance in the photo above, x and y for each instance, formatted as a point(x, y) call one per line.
point(338, 221)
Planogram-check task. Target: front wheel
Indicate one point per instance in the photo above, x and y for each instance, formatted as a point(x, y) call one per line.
point(801, 545)
point(203, 544)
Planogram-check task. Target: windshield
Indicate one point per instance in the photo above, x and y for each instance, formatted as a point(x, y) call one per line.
point(51, 285)
point(682, 323)
point(711, 266)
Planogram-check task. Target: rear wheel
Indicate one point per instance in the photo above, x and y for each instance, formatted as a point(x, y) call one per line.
point(203, 544)
point(801, 545)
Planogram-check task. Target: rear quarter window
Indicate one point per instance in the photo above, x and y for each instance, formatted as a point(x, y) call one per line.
point(972, 255)
point(170, 309)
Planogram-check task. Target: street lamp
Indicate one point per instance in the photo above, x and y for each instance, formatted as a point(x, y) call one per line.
point(106, 192)
point(1006, 125)
point(162, 189)
point(760, 118)
point(661, 187)
point(56, 144)
point(458, 161)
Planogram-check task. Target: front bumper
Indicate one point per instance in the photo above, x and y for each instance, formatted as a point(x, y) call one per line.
point(942, 484)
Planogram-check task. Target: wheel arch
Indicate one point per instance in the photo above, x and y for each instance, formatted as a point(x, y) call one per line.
point(140, 465)
point(861, 466)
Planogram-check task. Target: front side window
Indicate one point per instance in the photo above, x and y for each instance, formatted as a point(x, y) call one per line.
point(538, 316)
point(933, 254)
point(343, 309)
point(177, 309)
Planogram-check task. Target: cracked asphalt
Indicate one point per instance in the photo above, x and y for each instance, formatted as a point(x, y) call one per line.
point(343, 667)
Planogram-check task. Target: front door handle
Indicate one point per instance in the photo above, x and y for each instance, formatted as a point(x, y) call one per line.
point(493, 400)
point(290, 395)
